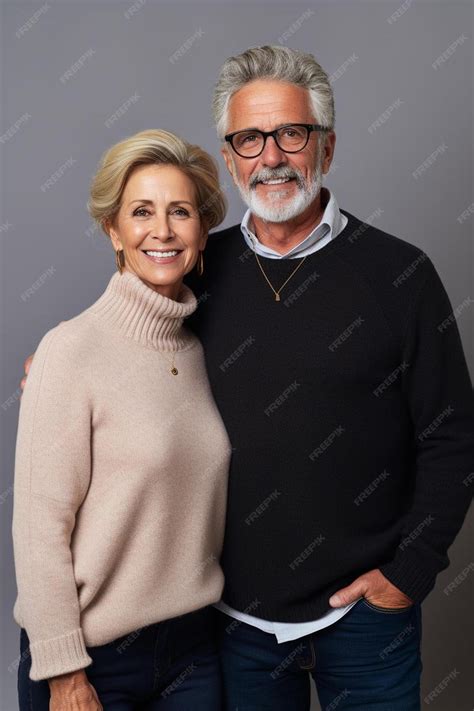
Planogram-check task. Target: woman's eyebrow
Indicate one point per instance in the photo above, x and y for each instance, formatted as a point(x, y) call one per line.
point(150, 202)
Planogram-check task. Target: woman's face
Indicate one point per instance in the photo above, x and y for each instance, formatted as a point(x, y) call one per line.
point(159, 227)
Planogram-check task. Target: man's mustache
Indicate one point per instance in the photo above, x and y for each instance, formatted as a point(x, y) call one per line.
point(274, 174)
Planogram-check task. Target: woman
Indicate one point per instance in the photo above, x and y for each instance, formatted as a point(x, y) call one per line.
point(122, 459)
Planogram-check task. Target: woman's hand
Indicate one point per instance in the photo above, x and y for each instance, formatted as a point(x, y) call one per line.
point(73, 692)
point(27, 367)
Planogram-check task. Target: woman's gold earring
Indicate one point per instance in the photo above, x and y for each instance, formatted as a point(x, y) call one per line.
point(200, 264)
point(119, 259)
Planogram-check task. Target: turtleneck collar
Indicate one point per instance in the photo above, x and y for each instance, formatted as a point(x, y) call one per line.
point(143, 314)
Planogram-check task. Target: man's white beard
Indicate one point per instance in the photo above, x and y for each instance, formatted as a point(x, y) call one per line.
point(276, 207)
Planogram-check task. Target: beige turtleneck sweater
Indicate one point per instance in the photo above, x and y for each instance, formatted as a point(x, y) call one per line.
point(120, 477)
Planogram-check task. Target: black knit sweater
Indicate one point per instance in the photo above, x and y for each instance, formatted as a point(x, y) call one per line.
point(350, 409)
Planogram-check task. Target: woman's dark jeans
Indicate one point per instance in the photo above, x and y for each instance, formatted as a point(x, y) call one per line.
point(171, 665)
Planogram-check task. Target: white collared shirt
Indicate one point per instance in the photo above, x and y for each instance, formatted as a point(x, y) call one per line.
point(331, 224)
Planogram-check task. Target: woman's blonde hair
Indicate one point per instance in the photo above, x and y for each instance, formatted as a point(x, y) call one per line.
point(155, 147)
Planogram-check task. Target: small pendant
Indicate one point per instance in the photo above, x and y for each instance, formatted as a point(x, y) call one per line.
point(174, 371)
point(277, 297)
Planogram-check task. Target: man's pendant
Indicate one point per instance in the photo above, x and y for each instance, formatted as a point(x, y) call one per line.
point(277, 297)
point(174, 370)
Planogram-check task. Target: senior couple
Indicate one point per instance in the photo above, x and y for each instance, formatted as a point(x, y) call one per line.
point(245, 462)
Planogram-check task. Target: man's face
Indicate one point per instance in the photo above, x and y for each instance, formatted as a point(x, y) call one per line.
point(266, 105)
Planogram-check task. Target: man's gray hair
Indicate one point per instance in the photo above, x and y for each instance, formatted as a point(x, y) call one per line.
point(273, 62)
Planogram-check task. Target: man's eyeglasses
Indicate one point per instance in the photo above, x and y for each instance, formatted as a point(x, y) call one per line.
point(291, 138)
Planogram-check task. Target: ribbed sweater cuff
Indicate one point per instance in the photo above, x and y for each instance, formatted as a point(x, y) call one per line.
point(51, 657)
point(406, 573)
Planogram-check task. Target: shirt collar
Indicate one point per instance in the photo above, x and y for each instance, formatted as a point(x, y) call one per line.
point(329, 226)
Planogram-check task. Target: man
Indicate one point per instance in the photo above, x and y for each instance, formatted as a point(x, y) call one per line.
point(345, 391)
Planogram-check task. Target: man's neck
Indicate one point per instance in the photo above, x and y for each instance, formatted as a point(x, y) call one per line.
point(283, 236)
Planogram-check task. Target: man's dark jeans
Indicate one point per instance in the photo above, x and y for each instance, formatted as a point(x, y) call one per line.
point(369, 659)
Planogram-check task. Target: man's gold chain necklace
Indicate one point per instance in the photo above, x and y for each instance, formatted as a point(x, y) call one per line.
point(275, 291)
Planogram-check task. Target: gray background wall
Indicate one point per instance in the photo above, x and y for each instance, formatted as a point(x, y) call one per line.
point(402, 77)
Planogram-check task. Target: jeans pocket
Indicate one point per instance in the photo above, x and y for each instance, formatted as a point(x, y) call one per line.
point(388, 610)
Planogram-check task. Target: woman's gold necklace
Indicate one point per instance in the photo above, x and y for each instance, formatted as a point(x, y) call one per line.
point(173, 368)
point(277, 292)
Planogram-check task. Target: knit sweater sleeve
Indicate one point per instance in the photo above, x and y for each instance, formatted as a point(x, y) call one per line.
point(52, 473)
point(438, 393)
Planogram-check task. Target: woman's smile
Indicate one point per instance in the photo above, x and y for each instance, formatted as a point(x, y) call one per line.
point(161, 256)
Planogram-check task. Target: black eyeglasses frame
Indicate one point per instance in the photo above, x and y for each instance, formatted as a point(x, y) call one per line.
point(308, 126)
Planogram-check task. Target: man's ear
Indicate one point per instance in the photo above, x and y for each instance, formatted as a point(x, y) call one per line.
point(229, 162)
point(329, 147)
